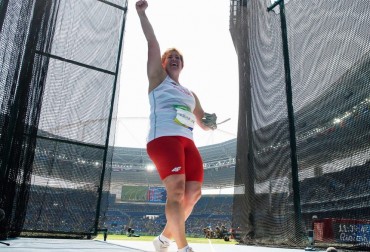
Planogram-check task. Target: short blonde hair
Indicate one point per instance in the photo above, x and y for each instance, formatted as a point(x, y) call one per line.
point(170, 50)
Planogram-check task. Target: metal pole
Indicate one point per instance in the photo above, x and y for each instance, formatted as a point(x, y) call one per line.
point(289, 100)
point(100, 190)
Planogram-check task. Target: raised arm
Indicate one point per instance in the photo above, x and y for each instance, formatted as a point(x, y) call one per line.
point(155, 71)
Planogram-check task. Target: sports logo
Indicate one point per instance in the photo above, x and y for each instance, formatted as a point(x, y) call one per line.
point(176, 169)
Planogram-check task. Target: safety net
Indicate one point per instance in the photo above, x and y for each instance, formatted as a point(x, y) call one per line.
point(303, 146)
point(58, 92)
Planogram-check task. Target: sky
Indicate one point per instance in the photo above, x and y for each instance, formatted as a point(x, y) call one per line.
point(200, 30)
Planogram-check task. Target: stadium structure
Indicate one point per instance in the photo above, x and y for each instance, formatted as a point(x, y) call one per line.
point(138, 196)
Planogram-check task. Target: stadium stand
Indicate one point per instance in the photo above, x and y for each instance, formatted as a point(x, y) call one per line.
point(130, 169)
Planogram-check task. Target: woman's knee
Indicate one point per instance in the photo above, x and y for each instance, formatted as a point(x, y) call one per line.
point(176, 196)
point(175, 187)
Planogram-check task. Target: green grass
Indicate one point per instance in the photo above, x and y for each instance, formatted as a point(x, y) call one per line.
point(150, 238)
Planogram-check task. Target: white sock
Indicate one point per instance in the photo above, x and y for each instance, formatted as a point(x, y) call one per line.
point(164, 238)
point(183, 249)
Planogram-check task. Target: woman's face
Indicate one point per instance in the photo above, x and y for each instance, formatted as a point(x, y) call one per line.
point(173, 62)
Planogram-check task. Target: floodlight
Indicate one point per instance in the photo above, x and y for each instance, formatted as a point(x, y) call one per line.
point(150, 167)
point(275, 3)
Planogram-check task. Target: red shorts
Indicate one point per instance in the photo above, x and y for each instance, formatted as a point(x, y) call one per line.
point(176, 155)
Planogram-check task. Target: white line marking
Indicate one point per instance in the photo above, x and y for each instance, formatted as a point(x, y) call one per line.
point(210, 244)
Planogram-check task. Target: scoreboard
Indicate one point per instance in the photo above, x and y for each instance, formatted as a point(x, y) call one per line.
point(351, 232)
point(342, 230)
point(157, 194)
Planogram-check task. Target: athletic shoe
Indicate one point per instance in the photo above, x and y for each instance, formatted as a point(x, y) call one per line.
point(188, 249)
point(160, 246)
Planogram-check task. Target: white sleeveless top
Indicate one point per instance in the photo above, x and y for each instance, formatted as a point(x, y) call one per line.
point(167, 114)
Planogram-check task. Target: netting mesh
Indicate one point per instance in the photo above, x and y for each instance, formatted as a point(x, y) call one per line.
point(329, 54)
point(59, 86)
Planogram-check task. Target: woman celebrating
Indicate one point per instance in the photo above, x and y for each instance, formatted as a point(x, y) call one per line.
point(173, 112)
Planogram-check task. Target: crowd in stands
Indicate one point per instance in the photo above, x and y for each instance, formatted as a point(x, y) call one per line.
point(338, 194)
point(149, 219)
point(337, 186)
point(60, 210)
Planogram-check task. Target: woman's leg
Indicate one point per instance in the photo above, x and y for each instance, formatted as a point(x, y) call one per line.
point(194, 178)
point(175, 211)
point(191, 197)
point(168, 155)
point(193, 193)
point(183, 191)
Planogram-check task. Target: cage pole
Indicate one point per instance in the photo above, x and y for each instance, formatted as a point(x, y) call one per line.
point(292, 136)
point(100, 190)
